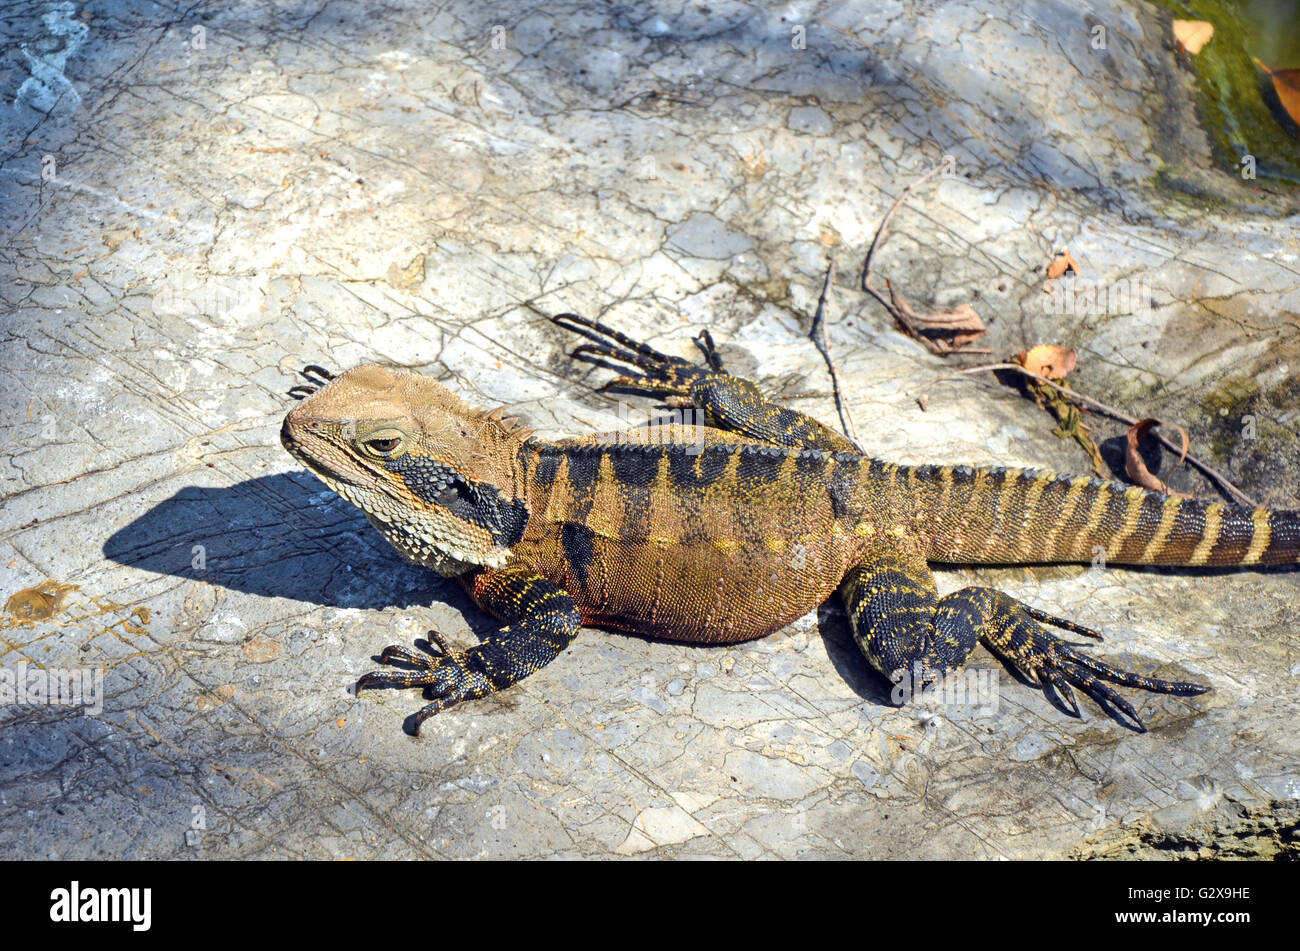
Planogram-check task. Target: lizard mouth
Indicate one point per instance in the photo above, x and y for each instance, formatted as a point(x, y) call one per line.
point(314, 464)
point(294, 448)
point(319, 469)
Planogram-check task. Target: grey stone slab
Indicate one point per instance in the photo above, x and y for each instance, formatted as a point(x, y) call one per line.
point(195, 205)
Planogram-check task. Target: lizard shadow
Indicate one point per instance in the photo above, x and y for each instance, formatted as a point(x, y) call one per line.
point(282, 536)
point(845, 656)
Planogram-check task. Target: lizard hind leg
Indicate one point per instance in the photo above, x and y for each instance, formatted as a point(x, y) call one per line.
point(893, 608)
point(910, 635)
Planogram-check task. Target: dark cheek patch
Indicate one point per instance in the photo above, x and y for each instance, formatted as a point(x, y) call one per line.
point(439, 484)
point(428, 480)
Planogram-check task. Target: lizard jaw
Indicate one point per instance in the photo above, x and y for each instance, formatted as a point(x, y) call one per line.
point(419, 538)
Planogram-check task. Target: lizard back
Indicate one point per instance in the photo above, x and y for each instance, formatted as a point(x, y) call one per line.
point(691, 534)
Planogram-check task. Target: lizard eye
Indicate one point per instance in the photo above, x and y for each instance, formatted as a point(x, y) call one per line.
point(382, 444)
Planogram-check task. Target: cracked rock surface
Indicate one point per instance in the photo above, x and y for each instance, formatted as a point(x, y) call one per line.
point(197, 202)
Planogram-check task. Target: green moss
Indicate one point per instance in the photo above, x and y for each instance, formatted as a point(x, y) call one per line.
point(1286, 393)
point(1235, 109)
point(1225, 409)
point(1190, 194)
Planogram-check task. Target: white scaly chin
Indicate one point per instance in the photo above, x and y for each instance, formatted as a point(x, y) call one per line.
point(436, 540)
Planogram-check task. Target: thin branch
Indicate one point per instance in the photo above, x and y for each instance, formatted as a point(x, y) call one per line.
point(660, 94)
point(1217, 477)
point(823, 345)
point(886, 302)
point(889, 216)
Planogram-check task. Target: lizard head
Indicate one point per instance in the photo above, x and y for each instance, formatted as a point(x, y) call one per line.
point(437, 477)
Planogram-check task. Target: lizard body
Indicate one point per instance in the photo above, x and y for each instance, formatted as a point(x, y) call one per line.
point(731, 530)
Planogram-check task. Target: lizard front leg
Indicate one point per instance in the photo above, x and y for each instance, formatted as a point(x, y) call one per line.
point(541, 621)
point(726, 401)
point(902, 626)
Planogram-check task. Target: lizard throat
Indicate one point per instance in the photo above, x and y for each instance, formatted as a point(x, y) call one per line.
point(434, 538)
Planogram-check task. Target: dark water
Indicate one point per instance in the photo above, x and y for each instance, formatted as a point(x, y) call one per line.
point(1240, 109)
point(1271, 30)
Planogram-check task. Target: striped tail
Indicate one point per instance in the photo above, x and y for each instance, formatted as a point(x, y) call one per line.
point(1027, 516)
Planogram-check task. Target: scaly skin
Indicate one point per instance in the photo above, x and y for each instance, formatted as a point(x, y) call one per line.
point(729, 531)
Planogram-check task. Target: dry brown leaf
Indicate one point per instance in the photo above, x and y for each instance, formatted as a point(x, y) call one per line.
point(1192, 35)
point(962, 320)
point(941, 331)
point(1048, 359)
point(1064, 262)
point(1137, 470)
point(1286, 83)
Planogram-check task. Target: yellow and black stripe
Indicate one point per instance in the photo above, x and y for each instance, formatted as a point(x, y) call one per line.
point(1026, 516)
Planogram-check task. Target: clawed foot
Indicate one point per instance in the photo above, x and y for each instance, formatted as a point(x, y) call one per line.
point(659, 373)
point(316, 377)
point(1055, 665)
point(444, 672)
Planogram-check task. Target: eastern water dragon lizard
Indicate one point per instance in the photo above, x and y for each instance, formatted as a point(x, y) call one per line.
point(730, 530)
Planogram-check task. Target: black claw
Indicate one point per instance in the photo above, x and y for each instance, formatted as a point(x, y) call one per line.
point(1057, 666)
point(602, 356)
point(1114, 674)
point(1063, 623)
point(704, 340)
point(316, 377)
point(391, 678)
point(607, 358)
point(405, 655)
point(595, 330)
point(1116, 700)
point(444, 646)
point(1057, 688)
point(655, 373)
point(1104, 696)
point(417, 719)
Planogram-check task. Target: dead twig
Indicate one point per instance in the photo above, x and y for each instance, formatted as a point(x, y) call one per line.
point(914, 324)
point(889, 216)
point(1217, 477)
point(823, 345)
point(660, 94)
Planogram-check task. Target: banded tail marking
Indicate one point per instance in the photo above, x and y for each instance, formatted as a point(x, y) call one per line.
point(1025, 516)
